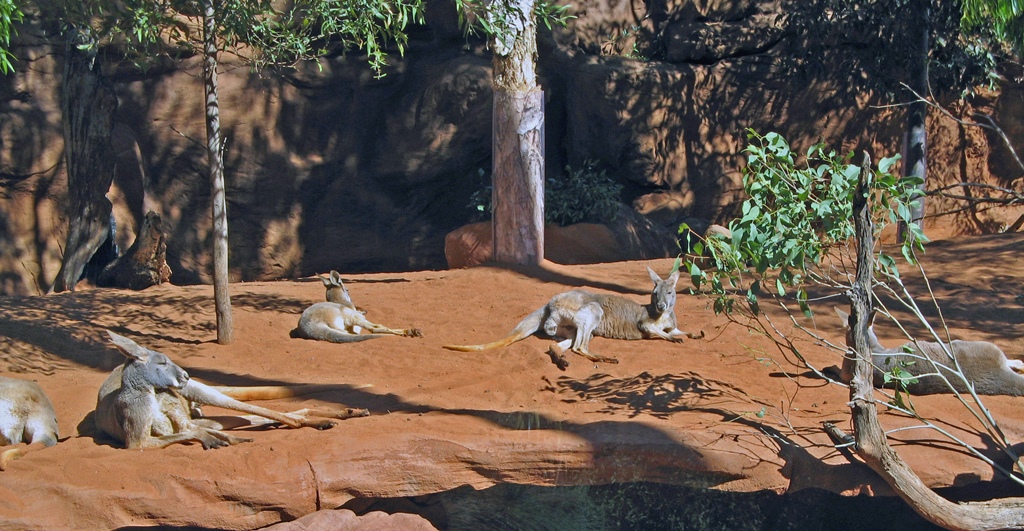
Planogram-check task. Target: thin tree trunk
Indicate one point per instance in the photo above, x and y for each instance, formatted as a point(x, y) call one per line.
point(88, 108)
point(222, 298)
point(518, 168)
point(915, 148)
point(871, 443)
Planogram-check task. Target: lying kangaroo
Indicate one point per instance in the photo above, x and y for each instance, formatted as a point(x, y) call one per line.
point(339, 321)
point(148, 403)
point(983, 363)
point(26, 415)
point(579, 315)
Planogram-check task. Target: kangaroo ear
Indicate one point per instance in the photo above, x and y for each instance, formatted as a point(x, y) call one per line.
point(654, 276)
point(128, 347)
point(336, 278)
point(843, 316)
point(871, 317)
point(325, 280)
point(673, 278)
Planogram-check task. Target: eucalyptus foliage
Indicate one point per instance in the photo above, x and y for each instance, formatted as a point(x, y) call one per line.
point(799, 210)
point(1004, 18)
point(9, 15)
point(498, 18)
point(261, 31)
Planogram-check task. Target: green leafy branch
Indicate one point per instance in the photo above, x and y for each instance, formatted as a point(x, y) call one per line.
point(795, 233)
point(799, 209)
point(9, 15)
point(260, 31)
point(497, 18)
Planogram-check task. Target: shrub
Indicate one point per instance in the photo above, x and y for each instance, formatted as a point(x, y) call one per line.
point(584, 195)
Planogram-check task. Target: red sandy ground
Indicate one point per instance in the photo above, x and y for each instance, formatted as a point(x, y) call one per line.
point(686, 413)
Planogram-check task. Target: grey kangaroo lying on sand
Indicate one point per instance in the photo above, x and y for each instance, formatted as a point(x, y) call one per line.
point(578, 315)
point(983, 363)
point(149, 402)
point(339, 321)
point(26, 415)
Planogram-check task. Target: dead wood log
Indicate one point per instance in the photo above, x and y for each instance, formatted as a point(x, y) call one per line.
point(145, 262)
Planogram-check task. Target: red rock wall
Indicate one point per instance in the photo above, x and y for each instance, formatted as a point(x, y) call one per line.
point(334, 169)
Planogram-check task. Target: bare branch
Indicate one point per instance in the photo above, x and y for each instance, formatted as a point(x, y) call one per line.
point(991, 125)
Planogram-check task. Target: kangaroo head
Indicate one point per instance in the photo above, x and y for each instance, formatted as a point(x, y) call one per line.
point(872, 338)
point(663, 296)
point(336, 290)
point(151, 366)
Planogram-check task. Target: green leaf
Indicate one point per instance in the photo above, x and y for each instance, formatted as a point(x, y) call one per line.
point(779, 287)
point(696, 275)
point(801, 299)
point(903, 212)
point(908, 253)
point(886, 163)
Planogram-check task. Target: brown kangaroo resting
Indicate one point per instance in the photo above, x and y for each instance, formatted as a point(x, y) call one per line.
point(339, 321)
point(982, 363)
point(576, 316)
point(150, 402)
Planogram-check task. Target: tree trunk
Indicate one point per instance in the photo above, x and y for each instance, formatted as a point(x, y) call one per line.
point(871, 443)
point(222, 298)
point(145, 262)
point(915, 147)
point(88, 108)
point(518, 168)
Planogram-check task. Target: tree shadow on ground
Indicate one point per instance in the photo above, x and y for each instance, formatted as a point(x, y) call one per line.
point(553, 273)
point(41, 334)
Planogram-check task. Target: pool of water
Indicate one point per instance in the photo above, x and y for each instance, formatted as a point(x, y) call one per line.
point(648, 506)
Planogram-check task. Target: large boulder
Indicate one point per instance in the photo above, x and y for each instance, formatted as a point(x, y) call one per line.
point(629, 236)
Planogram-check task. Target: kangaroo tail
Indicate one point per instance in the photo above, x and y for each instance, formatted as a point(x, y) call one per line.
point(16, 453)
point(526, 328)
point(10, 455)
point(322, 332)
point(271, 392)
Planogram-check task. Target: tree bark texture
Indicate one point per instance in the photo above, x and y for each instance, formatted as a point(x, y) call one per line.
point(518, 136)
point(145, 262)
point(915, 147)
point(518, 177)
point(871, 443)
point(222, 298)
point(515, 48)
point(88, 108)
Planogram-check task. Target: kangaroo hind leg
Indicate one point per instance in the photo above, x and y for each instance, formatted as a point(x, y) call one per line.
point(207, 437)
point(311, 417)
point(204, 394)
point(585, 321)
point(375, 328)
